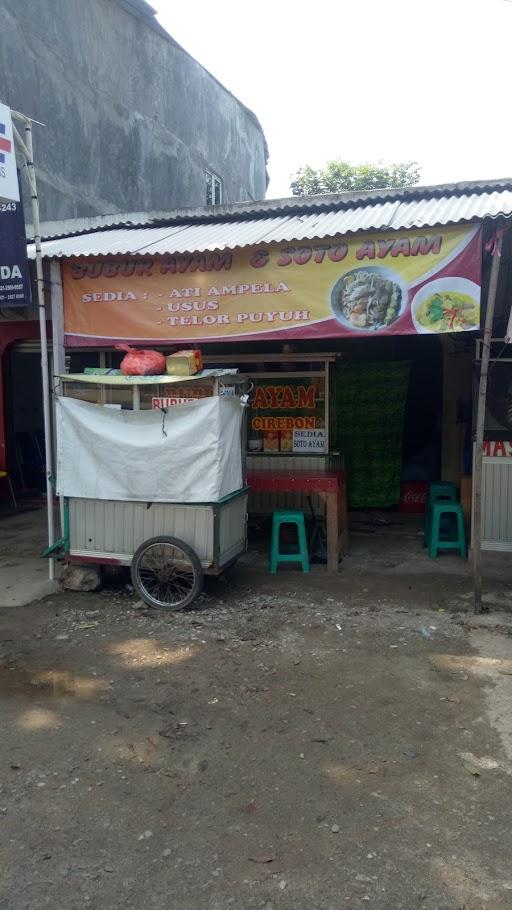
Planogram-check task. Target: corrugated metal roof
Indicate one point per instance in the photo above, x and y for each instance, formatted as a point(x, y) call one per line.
point(267, 207)
point(308, 218)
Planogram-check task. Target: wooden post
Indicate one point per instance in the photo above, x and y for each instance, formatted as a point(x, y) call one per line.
point(57, 302)
point(332, 525)
point(476, 542)
point(58, 352)
point(136, 398)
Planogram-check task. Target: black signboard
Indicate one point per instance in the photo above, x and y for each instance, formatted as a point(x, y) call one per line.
point(498, 405)
point(14, 273)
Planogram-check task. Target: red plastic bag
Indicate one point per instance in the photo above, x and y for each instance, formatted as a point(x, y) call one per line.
point(141, 363)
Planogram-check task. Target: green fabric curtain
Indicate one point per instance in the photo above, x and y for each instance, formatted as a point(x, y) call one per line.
point(370, 404)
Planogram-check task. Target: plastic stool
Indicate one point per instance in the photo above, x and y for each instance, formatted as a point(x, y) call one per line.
point(439, 491)
point(276, 556)
point(442, 537)
point(442, 490)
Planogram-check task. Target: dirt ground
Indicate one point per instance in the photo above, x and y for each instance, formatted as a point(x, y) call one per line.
point(289, 745)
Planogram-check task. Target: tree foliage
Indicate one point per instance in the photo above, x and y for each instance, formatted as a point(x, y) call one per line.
point(341, 176)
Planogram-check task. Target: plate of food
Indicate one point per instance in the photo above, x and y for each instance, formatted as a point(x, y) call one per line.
point(369, 299)
point(446, 305)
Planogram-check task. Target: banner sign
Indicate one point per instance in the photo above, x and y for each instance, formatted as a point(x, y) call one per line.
point(422, 281)
point(9, 187)
point(309, 441)
point(287, 415)
point(158, 403)
point(15, 288)
point(500, 448)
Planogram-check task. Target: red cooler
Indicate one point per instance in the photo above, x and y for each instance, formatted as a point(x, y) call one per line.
point(413, 498)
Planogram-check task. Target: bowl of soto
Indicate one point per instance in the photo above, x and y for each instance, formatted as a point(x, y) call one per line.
point(446, 305)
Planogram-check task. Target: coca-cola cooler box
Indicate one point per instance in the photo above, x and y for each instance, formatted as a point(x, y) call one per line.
point(413, 498)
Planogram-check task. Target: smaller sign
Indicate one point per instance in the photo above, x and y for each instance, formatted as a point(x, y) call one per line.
point(309, 440)
point(498, 448)
point(15, 288)
point(157, 403)
point(9, 187)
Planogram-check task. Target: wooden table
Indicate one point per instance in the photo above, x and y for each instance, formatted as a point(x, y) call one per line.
point(329, 485)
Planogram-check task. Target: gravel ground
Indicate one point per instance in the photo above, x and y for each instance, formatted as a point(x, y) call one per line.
point(270, 749)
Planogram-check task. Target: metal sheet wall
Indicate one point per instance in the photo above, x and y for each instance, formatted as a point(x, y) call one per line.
point(232, 529)
point(103, 527)
point(497, 504)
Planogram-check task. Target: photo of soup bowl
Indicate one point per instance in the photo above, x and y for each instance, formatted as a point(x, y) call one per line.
point(369, 299)
point(446, 305)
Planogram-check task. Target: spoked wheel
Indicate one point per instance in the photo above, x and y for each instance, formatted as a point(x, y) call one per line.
point(166, 573)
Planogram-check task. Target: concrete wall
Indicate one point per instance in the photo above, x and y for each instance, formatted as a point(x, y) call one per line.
point(132, 121)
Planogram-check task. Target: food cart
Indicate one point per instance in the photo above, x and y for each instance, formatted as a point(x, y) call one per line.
point(159, 485)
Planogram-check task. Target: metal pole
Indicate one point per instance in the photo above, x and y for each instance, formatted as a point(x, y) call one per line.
point(476, 543)
point(58, 358)
point(27, 151)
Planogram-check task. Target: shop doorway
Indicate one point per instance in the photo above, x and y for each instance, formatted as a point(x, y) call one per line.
point(24, 418)
point(385, 427)
point(388, 403)
point(392, 437)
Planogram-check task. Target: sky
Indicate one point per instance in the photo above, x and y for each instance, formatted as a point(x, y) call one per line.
point(363, 80)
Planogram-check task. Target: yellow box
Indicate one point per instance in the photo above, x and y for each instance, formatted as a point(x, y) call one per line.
point(184, 363)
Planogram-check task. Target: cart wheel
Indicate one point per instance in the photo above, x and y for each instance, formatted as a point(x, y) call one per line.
point(166, 573)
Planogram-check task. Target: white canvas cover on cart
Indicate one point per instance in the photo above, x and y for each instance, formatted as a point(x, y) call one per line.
point(192, 453)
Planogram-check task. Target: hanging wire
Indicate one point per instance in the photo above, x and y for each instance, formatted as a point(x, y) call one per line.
point(164, 414)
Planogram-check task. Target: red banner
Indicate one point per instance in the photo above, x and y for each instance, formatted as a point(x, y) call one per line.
point(425, 282)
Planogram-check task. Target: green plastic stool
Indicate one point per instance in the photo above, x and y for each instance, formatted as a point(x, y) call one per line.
point(440, 491)
point(288, 518)
point(442, 537)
